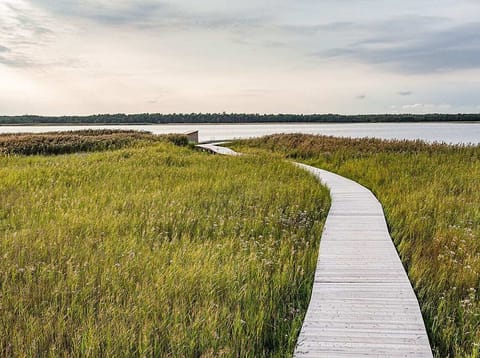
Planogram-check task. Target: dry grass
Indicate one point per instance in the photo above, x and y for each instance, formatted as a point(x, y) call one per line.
point(78, 141)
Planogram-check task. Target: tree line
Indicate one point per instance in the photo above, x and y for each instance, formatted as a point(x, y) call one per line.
point(158, 118)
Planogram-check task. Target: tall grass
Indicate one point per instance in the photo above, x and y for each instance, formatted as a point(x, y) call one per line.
point(431, 196)
point(79, 141)
point(155, 251)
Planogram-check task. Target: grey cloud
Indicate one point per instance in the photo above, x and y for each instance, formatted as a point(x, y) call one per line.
point(405, 93)
point(310, 30)
point(141, 14)
point(149, 14)
point(112, 13)
point(25, 21)
point(28, 27)
point(226, 21)
point(455, 48)
point(413, 44)
point(361, 96)
point(4, 59)
point(16, 61)
point(274, 44)
point(401, 27)
point(22, 31)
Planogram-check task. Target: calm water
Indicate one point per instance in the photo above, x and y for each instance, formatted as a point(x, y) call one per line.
point(431, 132)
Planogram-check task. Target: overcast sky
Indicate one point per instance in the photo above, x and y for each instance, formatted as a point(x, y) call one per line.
point(296, 56)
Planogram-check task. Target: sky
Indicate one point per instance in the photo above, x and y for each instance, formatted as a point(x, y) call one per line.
point(64, 57)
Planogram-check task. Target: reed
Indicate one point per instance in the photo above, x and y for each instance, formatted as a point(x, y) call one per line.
point(431, 197)
point(79, 141)
point(155, 250)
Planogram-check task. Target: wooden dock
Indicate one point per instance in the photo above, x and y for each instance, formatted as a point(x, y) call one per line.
point(362, 303)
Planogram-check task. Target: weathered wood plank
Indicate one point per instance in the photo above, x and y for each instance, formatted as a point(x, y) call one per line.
point(362, 302)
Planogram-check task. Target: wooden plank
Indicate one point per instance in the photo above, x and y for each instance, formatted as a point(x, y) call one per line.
point(217, 149)
point(362, 303)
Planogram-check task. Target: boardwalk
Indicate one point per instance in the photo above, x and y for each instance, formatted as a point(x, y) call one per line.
point(362, 303)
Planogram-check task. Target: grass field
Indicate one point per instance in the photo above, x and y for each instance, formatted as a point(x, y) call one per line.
point(155, 250)
point(431, 197)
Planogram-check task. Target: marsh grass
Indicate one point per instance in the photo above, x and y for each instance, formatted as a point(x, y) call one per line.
point(155, 251)
point(79, 141)
point(431, 197)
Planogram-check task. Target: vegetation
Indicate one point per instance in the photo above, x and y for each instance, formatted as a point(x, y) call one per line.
point(78, 141)
point(156, 118)
point(431, 197)
point(154, 250)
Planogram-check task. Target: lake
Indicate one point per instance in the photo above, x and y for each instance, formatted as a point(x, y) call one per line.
point(431, 132)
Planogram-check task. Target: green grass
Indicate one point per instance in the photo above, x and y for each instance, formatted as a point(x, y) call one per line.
point(155, 250)
point(431, 197)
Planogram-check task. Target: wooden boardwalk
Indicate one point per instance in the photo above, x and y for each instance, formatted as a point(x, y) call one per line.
point(362, 303)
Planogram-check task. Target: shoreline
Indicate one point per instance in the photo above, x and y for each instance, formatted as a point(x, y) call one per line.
point(70, 124)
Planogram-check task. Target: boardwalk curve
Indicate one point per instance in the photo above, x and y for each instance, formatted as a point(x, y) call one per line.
point(362, 303)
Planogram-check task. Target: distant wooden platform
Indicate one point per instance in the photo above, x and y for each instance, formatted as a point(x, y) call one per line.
point(362, 303)
point(213, 148)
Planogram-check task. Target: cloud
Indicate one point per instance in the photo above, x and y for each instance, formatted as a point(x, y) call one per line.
point(309, 30)
point(20, 31)
point(26, 20)
point(26, 33)
point(20, 24)
point(16, 60)
point(421, 45)
point(406, 44)
point(4, 58)
point(112, 12)
point(426, 106)
point(212, 51)
point(149, 14)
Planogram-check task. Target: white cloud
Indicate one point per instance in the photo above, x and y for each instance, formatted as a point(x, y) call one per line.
point(428, 107)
